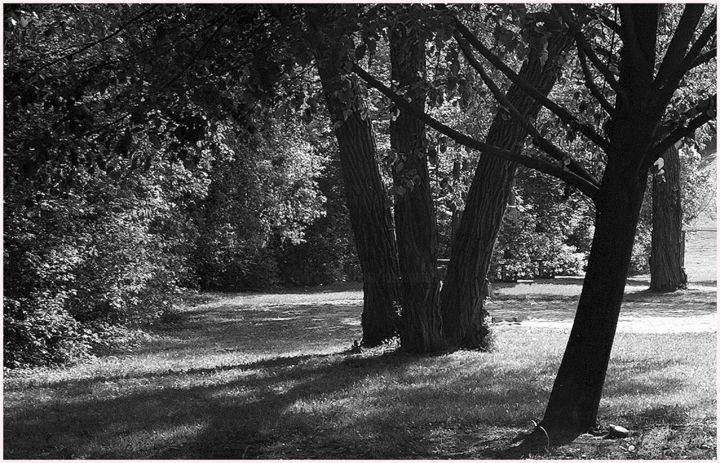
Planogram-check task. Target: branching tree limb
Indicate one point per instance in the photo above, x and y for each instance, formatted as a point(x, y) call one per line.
point(538, 140)
point(558, 110)
point(540, 165)
point(631, 42)
point(680, 41)
point(707, 109)
point(587, 49)
point(590, 84)
point(694, 53)
point(667, 87)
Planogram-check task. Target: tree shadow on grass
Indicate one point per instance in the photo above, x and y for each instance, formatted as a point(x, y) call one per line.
point(325, 406)
point(308, 406)
point(395, 420)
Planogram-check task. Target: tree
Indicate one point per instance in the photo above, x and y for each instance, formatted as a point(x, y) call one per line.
point(632, 144)
point(121, 119)
point(672, 195)
point(666, 258)
point(90, 249)
point(414, 215)
point(370, 217)
point(464, 318)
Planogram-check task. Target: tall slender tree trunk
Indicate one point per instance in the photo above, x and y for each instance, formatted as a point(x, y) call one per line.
point(416, 232)
point(464, 291)
point(575, 397)
point(666, 259)
point(370, 215)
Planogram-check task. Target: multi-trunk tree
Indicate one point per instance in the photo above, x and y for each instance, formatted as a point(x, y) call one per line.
point(643, 81)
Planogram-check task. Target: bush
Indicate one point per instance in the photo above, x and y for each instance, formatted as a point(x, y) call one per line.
point(41, 332)
point(85, 262)
point(527, 238)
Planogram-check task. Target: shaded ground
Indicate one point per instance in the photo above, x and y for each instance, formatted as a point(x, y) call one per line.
point(270, 376)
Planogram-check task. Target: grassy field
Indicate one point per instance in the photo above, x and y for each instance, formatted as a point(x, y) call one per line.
point(271, 376)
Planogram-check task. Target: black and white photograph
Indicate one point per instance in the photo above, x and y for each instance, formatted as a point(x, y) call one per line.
point(375, 231)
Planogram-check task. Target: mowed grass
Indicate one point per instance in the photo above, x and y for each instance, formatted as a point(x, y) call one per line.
point(271, 376)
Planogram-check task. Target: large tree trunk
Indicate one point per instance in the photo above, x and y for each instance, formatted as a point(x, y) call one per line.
point(464, 291)
point(370, 216)
point(666, 259)
point(575, 397)
point(416, 232)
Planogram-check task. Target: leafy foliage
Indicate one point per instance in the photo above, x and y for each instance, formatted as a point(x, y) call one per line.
point(263, 195)
point(135, 167)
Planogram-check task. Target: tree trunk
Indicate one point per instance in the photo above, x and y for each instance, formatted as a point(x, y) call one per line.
point(420, 330)
point(666, 259)
point(464, 291)
point(370, 216)
point(575, 397)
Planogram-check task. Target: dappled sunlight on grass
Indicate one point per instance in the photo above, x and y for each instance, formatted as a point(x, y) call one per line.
point(239, 379)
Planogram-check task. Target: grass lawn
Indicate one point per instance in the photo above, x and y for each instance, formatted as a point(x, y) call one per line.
point(270, 376)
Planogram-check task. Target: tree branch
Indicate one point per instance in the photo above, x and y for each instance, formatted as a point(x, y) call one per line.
point(538, 140)
point(540, 165)
point(585, 47)
point(96, 42)
point(590, 84)
point(704, 58)
point(697, 47)
point(629, 37)
point(680, 41)
point(558, 110)
point(668, 87)
point(707, 109)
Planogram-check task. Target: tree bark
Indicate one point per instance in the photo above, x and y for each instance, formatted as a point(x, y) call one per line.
point(420, 329)
point(370, 215)
point(666, 259)
point(464, 291)
point(575, 397)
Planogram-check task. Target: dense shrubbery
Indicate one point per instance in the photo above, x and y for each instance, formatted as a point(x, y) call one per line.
point(90, 255)
point(85, 254)
point(544, 227)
